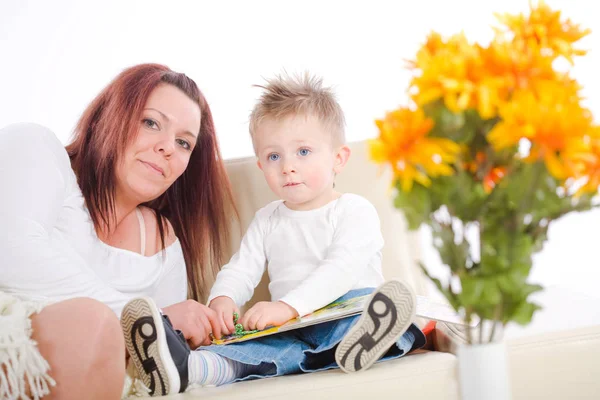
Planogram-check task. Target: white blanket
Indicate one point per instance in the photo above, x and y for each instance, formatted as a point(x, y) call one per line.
point(21, 364)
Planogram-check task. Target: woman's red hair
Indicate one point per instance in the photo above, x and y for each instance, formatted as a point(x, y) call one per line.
point(199, 204)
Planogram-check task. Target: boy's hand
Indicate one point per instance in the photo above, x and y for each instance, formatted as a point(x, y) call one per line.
point(224, 307)
point(267, 313)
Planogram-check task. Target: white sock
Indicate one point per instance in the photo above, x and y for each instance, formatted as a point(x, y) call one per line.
point(208, 368)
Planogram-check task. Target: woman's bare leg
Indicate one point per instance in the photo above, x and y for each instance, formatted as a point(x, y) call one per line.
point(82, 341)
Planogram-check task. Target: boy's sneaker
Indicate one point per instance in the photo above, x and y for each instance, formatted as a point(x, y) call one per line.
point(159, 352)
point(387, 315)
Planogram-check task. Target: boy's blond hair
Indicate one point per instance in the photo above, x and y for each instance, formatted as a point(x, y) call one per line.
point(304, 94)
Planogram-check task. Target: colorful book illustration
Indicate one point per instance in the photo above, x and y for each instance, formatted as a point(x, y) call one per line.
point(426, 308)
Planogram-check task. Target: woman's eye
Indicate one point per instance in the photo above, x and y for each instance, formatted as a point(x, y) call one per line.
point(273, 157)
point(304, 152)
point(150, 123)
point(184, 144)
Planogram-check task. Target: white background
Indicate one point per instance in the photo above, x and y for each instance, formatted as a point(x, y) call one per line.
point(55, 56)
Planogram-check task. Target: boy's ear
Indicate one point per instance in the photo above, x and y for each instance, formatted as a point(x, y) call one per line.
point(259, 164)
point(341, 158)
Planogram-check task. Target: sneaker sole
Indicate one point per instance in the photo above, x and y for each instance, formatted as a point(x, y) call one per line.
point(387, 315)
point(146, 343)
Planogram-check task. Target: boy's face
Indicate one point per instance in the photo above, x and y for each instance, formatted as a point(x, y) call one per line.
point(299, 160)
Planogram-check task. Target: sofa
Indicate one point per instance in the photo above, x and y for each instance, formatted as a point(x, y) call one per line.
point(550, 361)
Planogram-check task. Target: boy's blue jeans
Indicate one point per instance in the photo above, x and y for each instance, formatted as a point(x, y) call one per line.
point(307, 349)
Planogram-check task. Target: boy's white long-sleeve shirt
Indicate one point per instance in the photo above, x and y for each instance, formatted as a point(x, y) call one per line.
point(313, 257)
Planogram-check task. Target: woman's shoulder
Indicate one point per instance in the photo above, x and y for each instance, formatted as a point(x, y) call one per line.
point(152, 233)
point(29, 143)
point(30, 130)
point(27, 134)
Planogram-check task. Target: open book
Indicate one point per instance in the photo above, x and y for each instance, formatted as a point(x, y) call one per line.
point(425, 308)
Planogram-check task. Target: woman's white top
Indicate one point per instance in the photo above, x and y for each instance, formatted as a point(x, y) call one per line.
point(49, 250)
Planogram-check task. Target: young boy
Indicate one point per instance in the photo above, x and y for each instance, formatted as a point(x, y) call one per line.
point(319, 246)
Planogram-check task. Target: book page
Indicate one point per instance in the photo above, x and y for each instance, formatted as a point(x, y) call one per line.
point(426, 308)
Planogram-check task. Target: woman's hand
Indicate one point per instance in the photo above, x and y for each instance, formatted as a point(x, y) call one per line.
point(195, 320)
point(267, 313)
point(224, 307)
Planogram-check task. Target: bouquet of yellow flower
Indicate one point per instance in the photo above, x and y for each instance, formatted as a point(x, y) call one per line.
point(496, 142)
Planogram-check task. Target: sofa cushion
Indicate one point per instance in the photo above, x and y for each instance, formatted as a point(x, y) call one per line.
point(558, 365)
point(427, 375)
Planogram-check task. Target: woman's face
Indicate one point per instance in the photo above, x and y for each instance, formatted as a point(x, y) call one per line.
point(168, 131)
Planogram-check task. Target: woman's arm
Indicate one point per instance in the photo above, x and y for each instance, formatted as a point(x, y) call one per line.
point(34, 175)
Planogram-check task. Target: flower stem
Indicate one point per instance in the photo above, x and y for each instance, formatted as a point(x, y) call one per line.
point(468, 318)
point(481, 332)
point(496, 321)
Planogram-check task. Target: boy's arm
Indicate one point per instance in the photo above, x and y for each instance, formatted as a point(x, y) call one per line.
point(357, 240)
point(238, 278)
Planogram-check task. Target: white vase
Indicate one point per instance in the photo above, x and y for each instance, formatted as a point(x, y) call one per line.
point(483, 371)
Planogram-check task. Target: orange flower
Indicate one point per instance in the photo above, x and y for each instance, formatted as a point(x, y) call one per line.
point(454, 70)
point(474, 165)
point(403, 142)
point(516, 66)
point(477, 166)
point(543, 29)
point(591, 164)
point(553, 122)
point(492, 178)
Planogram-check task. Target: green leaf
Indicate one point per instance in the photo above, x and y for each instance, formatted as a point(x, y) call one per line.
point(453, 255)
point(472, 290)
point(491, 292)
point(415, 204)
point(524, 313)
point(446, 291)
point(449, 125)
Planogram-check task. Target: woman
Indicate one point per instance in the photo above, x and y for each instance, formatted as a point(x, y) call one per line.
point(138, 204)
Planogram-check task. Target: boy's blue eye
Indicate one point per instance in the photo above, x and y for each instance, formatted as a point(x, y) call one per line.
point(304, 152)
point(273, 157)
